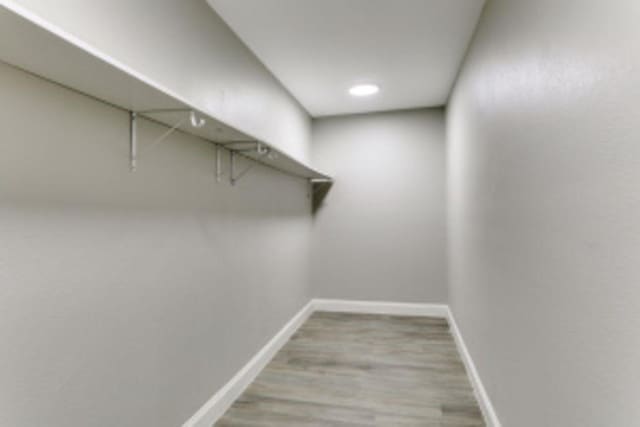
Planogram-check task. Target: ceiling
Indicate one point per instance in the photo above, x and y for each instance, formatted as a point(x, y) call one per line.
point(318, 49)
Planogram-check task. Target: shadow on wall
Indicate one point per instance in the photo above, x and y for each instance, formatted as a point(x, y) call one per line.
point(319, 191)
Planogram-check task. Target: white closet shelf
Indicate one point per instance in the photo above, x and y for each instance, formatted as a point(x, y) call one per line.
point(34, 45)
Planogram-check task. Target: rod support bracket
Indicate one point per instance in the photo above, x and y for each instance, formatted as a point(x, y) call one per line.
point(261, 150)
point(133, 141)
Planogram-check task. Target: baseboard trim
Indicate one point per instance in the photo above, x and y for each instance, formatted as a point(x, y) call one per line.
point(215, 407)
point(488, 411)
point(381, 307)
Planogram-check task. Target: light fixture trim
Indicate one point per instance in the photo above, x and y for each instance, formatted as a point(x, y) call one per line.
point(366, 89)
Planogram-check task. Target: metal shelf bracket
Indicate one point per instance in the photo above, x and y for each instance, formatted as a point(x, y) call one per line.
point(133, 141)
point(254, 152)
point(218, 164)
point(195, 121)
point(260, 151)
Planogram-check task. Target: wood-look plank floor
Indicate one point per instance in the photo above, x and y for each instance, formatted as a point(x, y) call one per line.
point(361, 370)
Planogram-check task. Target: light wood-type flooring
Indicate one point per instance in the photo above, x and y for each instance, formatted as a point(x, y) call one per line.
point(361, 370)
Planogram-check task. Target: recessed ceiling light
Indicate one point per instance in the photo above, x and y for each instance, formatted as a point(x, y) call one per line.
point(364, 90)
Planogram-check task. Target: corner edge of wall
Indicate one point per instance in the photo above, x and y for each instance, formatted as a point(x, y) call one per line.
point(221, 401)
point(488, 411)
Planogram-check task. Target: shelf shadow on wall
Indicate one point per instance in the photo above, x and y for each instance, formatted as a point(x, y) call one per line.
point(319, 190)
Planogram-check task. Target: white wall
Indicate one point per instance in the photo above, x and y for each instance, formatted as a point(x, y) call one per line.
point(381, 232)
point(187, 48)
point(544, 134)
point(129, 299)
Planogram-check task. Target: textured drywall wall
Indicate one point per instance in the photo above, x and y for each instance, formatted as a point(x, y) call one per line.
point(129, 299)
point(380, 234)
point(187, 48)
point(544, 178)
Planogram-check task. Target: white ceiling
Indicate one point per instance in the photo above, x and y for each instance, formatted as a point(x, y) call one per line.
point(319, 48)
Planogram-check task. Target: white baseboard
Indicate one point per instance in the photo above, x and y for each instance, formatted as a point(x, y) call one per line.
point(488, 411)
point(215, 407)
point(381, 307)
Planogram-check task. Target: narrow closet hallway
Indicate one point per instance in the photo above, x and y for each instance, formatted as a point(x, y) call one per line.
point(318, 213)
